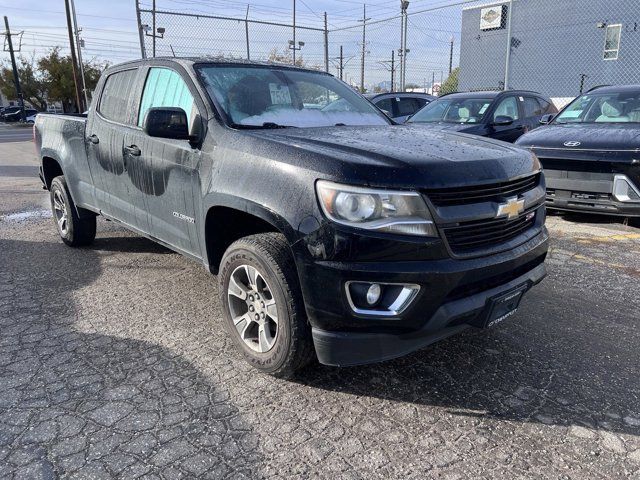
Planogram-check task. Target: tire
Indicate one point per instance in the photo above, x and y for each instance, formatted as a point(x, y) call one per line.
point(74, 230)
point(281, 350)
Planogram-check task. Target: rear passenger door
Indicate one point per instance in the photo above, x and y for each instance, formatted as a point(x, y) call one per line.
point(533, 111)
point(164, 170)
point(508, 106)
point(106, 128)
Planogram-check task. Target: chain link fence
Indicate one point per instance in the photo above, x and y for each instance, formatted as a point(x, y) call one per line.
point(556, 48)
point(185, 34)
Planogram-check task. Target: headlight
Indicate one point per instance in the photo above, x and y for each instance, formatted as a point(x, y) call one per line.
point(376, 209)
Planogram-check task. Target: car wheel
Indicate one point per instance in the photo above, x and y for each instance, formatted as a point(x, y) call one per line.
point(262, 304)
point(76, 226)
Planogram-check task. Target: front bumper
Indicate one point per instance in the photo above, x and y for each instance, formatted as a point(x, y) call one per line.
point(454, 294)
point(353, 348)
point(587, 192)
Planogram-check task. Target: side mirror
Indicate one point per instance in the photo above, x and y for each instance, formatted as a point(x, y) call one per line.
point(166, 122)
point(502, 120)
point(545, 119)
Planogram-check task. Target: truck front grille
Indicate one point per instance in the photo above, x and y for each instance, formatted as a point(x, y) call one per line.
point(495, 192)
point(477, 235)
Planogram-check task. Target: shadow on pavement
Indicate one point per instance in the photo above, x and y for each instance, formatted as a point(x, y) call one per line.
point(539, 368)
point(90, 405)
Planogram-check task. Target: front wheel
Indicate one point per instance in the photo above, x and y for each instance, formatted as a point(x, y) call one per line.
point(262, 304)
point(74, 230)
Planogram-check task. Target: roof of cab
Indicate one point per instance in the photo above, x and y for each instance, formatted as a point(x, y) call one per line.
point(188, 61)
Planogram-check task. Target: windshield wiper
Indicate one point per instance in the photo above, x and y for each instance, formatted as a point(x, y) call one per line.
point(275, 125)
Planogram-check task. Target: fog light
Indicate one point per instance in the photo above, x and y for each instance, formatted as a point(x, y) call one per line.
point(624, 190)
point(373, 294)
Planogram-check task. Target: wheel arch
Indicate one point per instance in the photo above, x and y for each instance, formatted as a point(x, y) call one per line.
point(51, 168)
point(228, 218)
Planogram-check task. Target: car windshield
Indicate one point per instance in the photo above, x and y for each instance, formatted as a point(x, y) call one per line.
point(272, 97)
point(612, 107)
point(453, 110)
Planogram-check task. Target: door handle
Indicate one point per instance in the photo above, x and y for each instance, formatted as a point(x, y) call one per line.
point(93, 139)
point(133, 150)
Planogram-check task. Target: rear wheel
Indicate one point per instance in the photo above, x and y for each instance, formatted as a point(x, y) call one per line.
point(262, 304)
point(75, 230)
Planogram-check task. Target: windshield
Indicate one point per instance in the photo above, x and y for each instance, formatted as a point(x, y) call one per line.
point(621, 107)
point(453, 110)
point(271, 97)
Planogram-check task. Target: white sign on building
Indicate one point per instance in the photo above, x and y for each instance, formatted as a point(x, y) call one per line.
point(492, 17)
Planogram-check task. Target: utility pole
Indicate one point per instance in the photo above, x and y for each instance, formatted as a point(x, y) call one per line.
point(79, 45)
point(404, 5)
point(451, 56)
point(246, 31)
point(364, 45)
point(16, 78)
point(341, 62)
point(393, 69)
point(143, 53)
point(326, 44)
point(153, 26)
point(74, 60)
point(390, 65)
point(433, 82)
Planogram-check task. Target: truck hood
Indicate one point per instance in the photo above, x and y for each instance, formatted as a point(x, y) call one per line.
point(597, 137)
point(402, 155)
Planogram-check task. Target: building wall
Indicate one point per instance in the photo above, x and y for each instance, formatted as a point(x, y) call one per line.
point(553, 43)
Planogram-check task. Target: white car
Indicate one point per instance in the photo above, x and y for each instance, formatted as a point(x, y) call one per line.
point(31, 118)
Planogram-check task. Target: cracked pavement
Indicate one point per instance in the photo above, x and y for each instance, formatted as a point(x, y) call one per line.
point(114, 363)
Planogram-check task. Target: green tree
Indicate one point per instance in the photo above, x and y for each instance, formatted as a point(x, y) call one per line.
point(31, 84)
point(286, 57)
point(450, 85)
point(57, 75)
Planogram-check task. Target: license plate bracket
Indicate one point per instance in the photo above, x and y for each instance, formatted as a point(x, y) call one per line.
point(504, 306)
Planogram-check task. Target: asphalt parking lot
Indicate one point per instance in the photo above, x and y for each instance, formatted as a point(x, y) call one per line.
point(113, 362)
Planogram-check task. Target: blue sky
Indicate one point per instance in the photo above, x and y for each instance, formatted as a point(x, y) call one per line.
point(110, 33)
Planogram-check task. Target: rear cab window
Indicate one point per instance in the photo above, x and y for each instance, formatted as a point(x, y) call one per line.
point(116, 94)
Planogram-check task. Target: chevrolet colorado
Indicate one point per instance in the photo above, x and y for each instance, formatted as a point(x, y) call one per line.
point(334, 233)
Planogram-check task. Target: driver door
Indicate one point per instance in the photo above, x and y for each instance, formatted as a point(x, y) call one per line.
point(165, 170)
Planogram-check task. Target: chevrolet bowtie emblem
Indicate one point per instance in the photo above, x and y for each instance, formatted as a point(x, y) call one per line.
point(512, 208)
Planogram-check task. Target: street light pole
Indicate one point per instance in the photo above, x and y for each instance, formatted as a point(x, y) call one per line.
point(404, 5)
point(294, 32)
point(364, 45)
point(451, 56)
point(16, 77)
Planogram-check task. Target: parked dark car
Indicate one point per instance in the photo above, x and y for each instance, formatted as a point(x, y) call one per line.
point(501, 115)
point(8, 111)
point(334, 234)
point(400, 105)
point(17, 115)
point(591, 152)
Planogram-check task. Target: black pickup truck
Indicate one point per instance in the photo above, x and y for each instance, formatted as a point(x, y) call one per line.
point(334, 233)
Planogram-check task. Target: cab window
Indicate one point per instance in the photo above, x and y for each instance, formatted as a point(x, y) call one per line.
point(166, 88)
point(532, 107)
point(507, 107)
point(385, 104)
point(115, 95)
